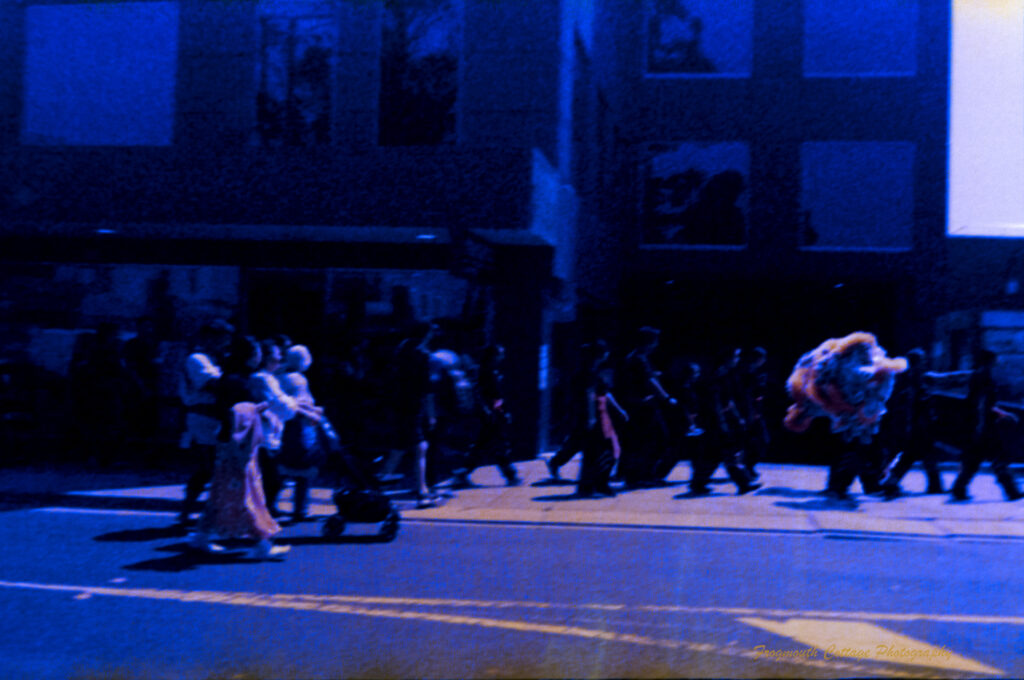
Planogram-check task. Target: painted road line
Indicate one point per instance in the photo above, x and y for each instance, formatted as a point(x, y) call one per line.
point(866, 641)
point(291, 602)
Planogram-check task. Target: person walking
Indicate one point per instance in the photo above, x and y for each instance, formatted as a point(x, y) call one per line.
point(300, 442)
point(199, 377)
point(265, 386)
point(414, 407)
point(492, 441)
point(597, 432)
point(646, 442)
point(237, 507)
point(710, 440)
point(910, 429)
point(984, 440)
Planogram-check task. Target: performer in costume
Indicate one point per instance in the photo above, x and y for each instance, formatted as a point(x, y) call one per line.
point(847, 380)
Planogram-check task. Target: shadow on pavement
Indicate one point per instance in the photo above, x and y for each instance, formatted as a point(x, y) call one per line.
point(13, 500)
point(189, 559)
point(147, 534)
point(690, 496)
point(559, 498)
point(554, 482)
point(786, 492)
point(821, 504)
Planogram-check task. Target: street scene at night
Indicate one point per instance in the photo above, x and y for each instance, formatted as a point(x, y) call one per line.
point(511, 339)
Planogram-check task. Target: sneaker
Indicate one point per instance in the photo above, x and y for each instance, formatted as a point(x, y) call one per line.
point(699, 491)
point(958, 496)
point(747, 488)
point(265, 550)
point(891, 492)
point(424, 502)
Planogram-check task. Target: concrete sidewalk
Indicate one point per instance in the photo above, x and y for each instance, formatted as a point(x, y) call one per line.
point(789, 501)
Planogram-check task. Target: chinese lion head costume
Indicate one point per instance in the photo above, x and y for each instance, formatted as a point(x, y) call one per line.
point(847, 380)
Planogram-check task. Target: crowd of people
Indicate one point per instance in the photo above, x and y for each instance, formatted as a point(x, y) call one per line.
point(251, 424)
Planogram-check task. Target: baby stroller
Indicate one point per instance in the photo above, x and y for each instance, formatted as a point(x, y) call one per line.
point(356, 494)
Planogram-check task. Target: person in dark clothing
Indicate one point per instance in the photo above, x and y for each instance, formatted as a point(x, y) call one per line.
point(855, 459)
point(492, 440)
point(713, 436)
point(414, 407)
point(592, 355)
point(984, 441)
point(597, 416)
point(98, 386)
point(754, 387)
point(196, 389)
point(646, 442)
point(141, 357)
point(909, 421)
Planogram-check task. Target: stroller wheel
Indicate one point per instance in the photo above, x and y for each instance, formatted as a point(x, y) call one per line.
point(333, 526)
point(389, 528)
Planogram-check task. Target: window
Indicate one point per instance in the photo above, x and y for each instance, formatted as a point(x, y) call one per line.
point(860, 37)
point(297, 53)
point(700, 37)
point(100, 73)
point(857, 195)
point(695, 194)
point(419, 72)
point(986, 136)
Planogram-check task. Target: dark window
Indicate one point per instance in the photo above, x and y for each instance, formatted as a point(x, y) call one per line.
point(100, 73)
point(695, 194)
point(860, 37)
point(419, 72)
point(297, 53)
point(857, 194)
point(700, 37)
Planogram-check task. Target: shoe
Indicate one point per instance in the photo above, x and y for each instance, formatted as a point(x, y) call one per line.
point(607, 492)
point(958, 496)
point(934, 490)
point(202, 543)
point(747, 488)
point(265, 550)
point(552, 469)
point(891, 492)
point(699, 491)
point(514, 481)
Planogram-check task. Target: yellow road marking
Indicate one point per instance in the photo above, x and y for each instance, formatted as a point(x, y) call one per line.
point(312, 603)
point(866, 641)
point(677, 609)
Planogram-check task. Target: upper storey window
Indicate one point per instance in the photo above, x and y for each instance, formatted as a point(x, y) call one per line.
point(857, 195)
point(419, 72)
point(860, 38)
point(700, 37)
point(695, 194)
point(100, 74)
point(297, 54)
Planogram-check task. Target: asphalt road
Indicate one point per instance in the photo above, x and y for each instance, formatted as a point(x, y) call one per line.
point(97, 593)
